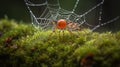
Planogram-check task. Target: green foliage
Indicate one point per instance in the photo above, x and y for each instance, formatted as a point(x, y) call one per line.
point(21, 45)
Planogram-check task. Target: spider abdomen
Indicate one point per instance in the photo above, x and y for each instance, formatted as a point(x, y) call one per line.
point(61, 24)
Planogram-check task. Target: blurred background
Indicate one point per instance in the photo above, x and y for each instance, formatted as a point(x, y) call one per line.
point(16, 9)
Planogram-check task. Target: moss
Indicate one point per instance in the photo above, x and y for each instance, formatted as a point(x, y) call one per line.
point(21, 45)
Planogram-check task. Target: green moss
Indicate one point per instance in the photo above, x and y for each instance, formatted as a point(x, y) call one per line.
point(21, 45)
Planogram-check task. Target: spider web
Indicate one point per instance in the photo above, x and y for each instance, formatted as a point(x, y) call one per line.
point(49, 12)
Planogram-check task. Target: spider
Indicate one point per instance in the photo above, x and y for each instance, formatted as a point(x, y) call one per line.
point(62, 24)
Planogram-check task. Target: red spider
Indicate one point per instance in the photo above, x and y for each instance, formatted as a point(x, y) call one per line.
point(64, 25)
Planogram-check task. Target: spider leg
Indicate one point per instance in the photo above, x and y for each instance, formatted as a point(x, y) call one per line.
point(53, 30)
point(63, 32)
point(70, 31)
point(78, 31)
point(59, 34)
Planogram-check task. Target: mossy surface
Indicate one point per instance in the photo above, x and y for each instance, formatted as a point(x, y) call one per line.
point(21, 45)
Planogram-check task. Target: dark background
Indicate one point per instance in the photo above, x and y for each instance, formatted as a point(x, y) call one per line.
point(16, 9)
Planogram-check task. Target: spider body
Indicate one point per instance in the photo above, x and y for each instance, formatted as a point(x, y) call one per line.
point(62, 24)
